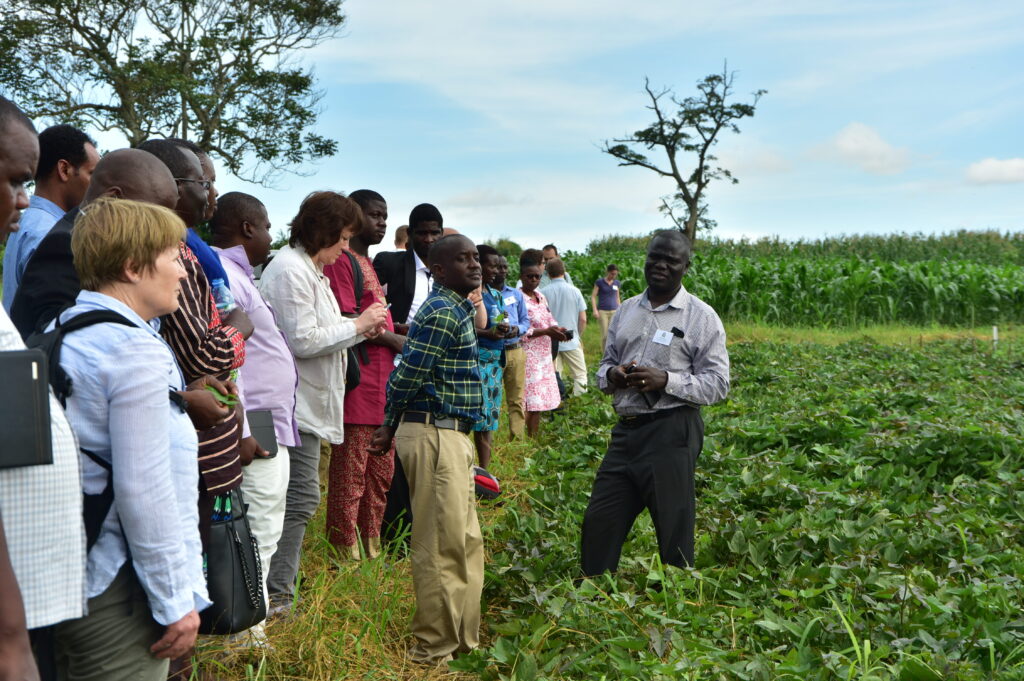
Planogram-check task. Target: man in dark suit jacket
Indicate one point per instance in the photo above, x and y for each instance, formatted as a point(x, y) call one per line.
point(402, 272)
point(50, 282)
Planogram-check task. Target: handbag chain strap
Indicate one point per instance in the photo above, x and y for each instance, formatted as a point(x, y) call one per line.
point(253, 589)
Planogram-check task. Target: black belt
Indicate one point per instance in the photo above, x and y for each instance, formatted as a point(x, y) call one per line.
point(643, 419)
point(446, 422)
point(513, 346)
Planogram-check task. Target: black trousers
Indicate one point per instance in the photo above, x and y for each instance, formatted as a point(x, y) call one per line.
point(396, 524)
point(649, 466)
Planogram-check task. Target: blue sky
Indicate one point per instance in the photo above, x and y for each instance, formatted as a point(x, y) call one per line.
point(880, 116)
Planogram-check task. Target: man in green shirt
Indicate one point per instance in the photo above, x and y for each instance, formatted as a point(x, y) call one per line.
point(434, 398)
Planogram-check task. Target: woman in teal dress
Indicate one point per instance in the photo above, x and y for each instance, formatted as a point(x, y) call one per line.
point(491, 335)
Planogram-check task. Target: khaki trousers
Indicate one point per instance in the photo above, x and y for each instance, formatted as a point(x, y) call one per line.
point(447, 547)
point(576, 363)
point(514, 378)
point(604, 318)
point(112, 642)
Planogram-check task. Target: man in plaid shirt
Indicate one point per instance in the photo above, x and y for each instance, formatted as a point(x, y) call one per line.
point(434, 398)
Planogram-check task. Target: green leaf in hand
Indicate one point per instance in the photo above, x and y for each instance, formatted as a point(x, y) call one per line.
point(226, 400)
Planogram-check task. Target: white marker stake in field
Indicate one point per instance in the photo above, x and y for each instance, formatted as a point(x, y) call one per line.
point(995, 338)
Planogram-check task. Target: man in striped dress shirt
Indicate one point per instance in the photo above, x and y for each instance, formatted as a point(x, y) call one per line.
point(665, 357)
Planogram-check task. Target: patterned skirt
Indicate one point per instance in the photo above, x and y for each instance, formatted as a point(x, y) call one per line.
point(491, 380)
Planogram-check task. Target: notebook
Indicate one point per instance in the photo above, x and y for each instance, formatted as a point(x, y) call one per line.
point(261, 427)
point(25, 409)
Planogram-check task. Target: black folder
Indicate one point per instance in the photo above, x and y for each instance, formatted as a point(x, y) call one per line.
point(24, 409)
point(261, 427)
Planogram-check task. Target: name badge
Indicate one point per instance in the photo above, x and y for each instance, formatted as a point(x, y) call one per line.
point(510, 300)
point(662, 337)
point(615, 287)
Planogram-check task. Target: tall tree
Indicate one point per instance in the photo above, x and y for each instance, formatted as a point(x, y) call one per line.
point(686, 131)
point(223, 73)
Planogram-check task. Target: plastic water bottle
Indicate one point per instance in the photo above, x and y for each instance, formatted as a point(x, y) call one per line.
point(222, 296)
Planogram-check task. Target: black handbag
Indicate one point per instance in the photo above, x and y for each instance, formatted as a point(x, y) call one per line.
point(234, 574)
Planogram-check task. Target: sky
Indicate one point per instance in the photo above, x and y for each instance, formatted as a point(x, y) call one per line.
point(879, 117)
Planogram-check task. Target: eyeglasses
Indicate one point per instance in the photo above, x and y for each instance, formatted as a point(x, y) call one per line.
point(205, 184)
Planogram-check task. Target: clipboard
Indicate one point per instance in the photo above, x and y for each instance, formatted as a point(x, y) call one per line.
point(25, 405)
point(261, 427)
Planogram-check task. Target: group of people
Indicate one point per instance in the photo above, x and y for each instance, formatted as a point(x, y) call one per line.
point(203, 382)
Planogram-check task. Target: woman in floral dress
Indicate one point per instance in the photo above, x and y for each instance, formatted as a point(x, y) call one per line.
point(541, 393)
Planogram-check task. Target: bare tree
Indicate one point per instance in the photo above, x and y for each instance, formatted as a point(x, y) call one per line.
point(221, 72)
point(686, 131)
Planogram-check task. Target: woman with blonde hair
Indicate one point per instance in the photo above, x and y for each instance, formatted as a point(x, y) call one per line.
point(296, 288)
point(144, 573)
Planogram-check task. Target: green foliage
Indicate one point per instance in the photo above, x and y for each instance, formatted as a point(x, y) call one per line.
point(508, 248)
point(221, 74)
point(858, 518)
point(958, 279)
point(686, 131)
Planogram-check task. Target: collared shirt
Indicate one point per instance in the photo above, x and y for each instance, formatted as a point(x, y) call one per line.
point(422, 288)
point(309, 316)
point(494, 306)
point(41, 508)
point(515, 309)
point(566, 302)
point(35, 223)
point(439, 371)
point(607, 294)
point(697, 364)
point(269, 373)
point(121, 411)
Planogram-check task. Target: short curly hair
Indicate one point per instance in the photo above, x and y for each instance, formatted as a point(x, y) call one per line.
point(322, 219)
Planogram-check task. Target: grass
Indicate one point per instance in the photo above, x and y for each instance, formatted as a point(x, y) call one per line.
point(352, 622)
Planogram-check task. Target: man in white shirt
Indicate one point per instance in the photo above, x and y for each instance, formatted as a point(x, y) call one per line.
point(405, 275)
point(42, 540)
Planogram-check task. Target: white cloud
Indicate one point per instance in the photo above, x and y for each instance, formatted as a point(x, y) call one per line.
point(862, 146)
point(996, 171)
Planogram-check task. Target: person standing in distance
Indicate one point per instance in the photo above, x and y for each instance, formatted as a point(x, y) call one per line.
point(665, 358)
point(434, 398)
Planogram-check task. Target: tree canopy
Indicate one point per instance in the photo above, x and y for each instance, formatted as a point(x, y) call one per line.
point(223, 73)
point(686, 130)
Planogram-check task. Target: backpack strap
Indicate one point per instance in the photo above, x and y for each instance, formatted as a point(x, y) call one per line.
point(51, 341)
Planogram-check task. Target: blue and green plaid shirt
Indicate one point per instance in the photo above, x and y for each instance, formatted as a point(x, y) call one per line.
point(439, 372)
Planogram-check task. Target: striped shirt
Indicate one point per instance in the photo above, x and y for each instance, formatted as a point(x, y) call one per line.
point(203, 345)
point(439, 371)
point(41, 508)
point(697, 363)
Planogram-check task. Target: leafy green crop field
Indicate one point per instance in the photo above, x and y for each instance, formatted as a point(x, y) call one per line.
point(959, 279)
point(859, 513)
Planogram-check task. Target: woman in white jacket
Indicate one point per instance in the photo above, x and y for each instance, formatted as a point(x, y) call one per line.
point(307, 312)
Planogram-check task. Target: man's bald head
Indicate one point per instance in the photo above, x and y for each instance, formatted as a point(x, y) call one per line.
point(133, 174)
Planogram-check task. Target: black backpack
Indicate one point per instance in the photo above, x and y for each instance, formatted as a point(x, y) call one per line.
point(95, 507)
